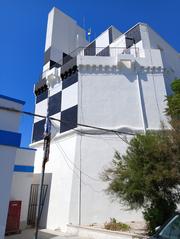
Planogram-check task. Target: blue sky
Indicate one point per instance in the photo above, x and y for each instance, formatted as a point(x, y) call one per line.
point(23, 30)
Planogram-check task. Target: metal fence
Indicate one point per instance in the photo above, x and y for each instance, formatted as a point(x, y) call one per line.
point(33, 203)
point(100, 51)
point(95, 51)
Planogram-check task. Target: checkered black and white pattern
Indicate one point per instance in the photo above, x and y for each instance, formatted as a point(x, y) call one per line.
point(63, 101)
point(63, 98)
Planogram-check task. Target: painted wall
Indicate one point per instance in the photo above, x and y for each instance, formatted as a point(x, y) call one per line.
point(123, 91)
point(16, 163)
point(7, 159)
point(9, 120)
point(22, 180)
point(96, 153)
point(170, 57)
point(60, 165)
point(47, 182)
point(123, 88)
point(73, 35)
point(103, 40)
point(113, 87)
point(9, 141)
point(64, 197)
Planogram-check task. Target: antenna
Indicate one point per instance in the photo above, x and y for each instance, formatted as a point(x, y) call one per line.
point(94, 35)
point(84, 22)
point(89, 34)
point(84, 27)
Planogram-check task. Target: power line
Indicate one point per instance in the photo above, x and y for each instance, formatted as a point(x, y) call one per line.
point(65, 122)
point(99, 134)
point(104, 129)
point(79, 124)
point(66, 158)
point(124, 140)
point(92, 178)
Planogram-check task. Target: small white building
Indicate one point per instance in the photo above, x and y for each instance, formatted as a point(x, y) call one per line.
point(118, 82)
point(16, 162)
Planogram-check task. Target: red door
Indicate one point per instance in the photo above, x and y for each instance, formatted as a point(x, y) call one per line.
point(13, 218)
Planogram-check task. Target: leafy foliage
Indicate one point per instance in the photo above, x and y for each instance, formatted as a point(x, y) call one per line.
point(148, 175)
point(114, 225)
point(174, 101)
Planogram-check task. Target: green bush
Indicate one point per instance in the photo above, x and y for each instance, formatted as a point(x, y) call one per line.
point(156, 214)
point(113, 225)
point(147, 176)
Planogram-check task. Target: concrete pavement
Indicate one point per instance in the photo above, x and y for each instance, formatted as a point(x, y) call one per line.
point(43, 234)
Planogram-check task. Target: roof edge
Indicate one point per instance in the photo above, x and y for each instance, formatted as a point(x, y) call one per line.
point(12, 99)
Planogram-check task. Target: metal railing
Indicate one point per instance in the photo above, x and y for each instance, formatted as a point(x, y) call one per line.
point(96, 51)
point(99, 51)
point(104, 51)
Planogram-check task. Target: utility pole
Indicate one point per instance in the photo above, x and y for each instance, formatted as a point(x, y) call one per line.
point(46, 148)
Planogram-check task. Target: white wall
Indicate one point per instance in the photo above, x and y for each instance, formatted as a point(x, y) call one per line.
point(119, 101)
point(115, 32)
point(109, 97)
point(9, 141)
point(47, 182)
point(63, 34)
point(20, 190)
point(9, 120)
point(115, 93)
point(13, 185)
point(102, 41)
point(64, 164)
point(69, 97)
point(96, 153)
point(169, 56)
point(41, 109)
point(118, 46)
point(21, 182)
point(7, 159)
point(154, 95)
point(61, 182)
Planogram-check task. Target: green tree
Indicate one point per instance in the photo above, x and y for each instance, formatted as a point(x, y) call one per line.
point(173, 109)
point(148, 175)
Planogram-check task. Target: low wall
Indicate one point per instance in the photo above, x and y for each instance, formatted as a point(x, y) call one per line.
point(97, 233)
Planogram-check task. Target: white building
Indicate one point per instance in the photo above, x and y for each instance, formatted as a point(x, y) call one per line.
point(16, 163)
point(119, 82)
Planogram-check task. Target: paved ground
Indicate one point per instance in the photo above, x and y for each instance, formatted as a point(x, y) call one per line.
point(44, 234)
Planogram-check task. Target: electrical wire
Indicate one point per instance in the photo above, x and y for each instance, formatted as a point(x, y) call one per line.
point(90, 177)
point(65, 158)
point(82, 112)
point(105, 140)
point(65, 122)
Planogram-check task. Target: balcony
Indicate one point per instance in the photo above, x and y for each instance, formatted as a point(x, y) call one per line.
point(104, 51)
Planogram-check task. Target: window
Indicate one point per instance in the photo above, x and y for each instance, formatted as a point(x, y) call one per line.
point(172, 229)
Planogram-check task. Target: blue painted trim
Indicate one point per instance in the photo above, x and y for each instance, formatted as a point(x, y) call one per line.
point(12, 99)
point(27, 148)
point(23, 168)
point(10, 138)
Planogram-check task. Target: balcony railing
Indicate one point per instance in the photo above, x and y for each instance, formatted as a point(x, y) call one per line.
point(109, 51)
point(100, 51)
point(97, 51)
